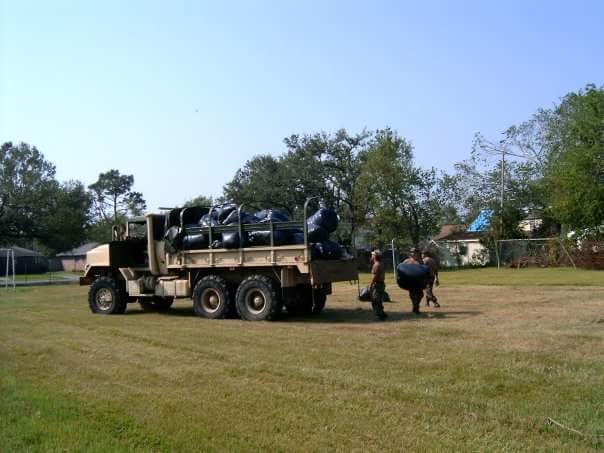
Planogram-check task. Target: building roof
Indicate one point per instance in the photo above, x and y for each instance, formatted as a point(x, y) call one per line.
point(18, 251)
point(482, 222)
point(461, 236)
point(79, 251)
point(448, 229)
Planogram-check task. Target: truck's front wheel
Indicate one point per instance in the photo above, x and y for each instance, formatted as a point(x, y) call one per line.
point(257, 299)
point(212, 297)
point(106, 297)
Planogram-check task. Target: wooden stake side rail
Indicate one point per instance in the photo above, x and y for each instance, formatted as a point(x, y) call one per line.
point(286, 255)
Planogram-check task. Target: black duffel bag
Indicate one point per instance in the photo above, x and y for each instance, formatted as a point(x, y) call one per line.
point(326, 218)
point(281, 237)
point(173, 239)
point(195, 242)
point(317, 233)
point(230, 240)
point(270, 215)
point(328, 250)
point(233, 218)
point(412, 276)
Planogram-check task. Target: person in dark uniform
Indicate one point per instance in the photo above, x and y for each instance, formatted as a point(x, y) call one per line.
point(377, 285)
point(427, 260)
point(416, 294)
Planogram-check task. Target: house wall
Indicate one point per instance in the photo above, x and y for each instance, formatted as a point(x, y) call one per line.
point(73, 263)
point(463, 253)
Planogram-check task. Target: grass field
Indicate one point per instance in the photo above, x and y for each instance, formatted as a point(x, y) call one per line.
point(44, 276)
point(482, 373)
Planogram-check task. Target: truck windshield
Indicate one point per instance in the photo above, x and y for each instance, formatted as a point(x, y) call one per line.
point(137, 230)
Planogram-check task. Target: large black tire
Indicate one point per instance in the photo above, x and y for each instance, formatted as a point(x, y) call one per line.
point(155, 303)
point(257, 299)
point(212, 297)
point(107, 297)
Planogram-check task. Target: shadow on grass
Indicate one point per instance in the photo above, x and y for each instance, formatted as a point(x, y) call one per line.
point(334, 315)
point(364, 315)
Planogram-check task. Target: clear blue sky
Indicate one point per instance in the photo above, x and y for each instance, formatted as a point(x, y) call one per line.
point(181, 94)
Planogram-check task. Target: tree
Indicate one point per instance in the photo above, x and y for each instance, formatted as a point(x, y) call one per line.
point(401, 198)
point(200, 200)
point(262, 179)
point(34, 205)
point(574, 174)
point(69, 217)
point(113, 197)
point(332, 166)
point(27, 182)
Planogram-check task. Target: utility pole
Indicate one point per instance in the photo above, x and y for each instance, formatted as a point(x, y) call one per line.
point(502, 189)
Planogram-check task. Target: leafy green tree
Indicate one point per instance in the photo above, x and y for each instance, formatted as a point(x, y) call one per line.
point(200, 200)
point(34, 205)
point(27, 183)
point(113, 197)
point(402, 199)
point(262, 179)
point(329, 166)
point(574, 174)
point(68, 218)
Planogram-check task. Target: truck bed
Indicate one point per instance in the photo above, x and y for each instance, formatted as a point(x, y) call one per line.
point(293, 255)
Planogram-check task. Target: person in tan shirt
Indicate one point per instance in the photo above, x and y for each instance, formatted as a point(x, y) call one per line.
point(433, 265)
point(377, 285)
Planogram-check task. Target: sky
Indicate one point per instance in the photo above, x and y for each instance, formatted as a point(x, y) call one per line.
point(181, 94)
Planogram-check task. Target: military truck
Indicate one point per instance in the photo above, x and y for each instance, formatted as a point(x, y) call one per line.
point(254, 283)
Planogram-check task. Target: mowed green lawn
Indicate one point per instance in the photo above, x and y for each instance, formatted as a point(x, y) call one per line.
point(481, 373)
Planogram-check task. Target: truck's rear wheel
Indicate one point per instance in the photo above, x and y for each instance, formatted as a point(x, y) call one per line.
point(257, 299)
point(212, 297)
point(155, 303)
point(318, 302)
point(106, 297)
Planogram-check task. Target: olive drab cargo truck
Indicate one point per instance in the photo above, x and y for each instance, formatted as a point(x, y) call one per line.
point(254, 283)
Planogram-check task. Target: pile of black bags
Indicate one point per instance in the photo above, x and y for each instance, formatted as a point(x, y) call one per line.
point(319, 225)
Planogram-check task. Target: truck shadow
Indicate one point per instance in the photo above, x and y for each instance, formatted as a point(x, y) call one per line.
point(335, 315)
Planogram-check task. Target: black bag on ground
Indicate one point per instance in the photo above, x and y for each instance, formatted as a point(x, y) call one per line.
point(365, 295)
point(317, 233)
point(412, 276)
point(326, 218)
point(195, 242)
point(270, 215)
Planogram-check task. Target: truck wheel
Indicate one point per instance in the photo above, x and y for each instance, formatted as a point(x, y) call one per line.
point(318, 304)
point(155, 303)
point(212, 297)
point(257, 299)
point(106, 297)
